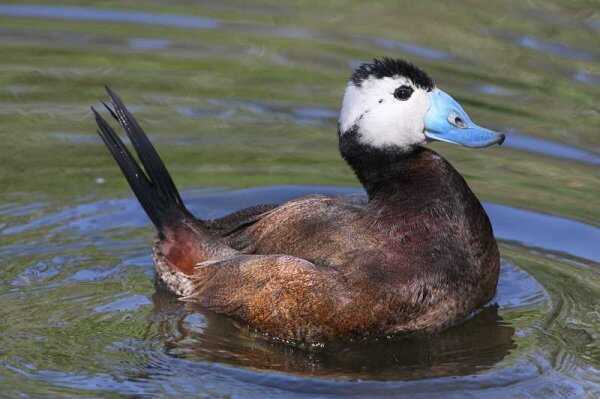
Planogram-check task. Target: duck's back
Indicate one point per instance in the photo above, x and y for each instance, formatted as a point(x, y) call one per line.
point(323, 230)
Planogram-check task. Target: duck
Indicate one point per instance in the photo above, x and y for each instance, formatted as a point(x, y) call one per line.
point(416, 255)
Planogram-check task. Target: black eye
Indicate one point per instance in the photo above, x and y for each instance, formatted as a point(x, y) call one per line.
point(403, 92)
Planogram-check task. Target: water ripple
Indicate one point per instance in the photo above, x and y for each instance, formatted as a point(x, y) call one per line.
point(551, 148)
point(559, 49)
point(104, 15)
point(413, 49)
point(129, 303)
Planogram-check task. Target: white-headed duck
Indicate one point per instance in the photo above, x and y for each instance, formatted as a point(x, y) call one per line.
point(418, 255)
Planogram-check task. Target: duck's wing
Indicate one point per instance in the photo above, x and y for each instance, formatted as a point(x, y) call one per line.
point(286, 297)
point(244, 218)
point(241, 219)
point(322, 229)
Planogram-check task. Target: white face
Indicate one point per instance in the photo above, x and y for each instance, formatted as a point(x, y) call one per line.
point(382, 119)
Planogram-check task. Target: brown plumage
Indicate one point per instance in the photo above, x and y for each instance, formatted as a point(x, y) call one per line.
point(419, 255)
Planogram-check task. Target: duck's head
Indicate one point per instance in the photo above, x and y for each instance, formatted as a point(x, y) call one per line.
point(393, 106)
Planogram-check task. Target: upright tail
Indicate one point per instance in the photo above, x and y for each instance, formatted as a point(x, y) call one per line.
point(152, 185)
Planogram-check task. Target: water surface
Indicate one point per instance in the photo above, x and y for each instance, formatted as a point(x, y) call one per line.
point(241, 99)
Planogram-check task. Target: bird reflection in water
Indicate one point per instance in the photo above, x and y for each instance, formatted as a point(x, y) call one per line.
point(192, 333)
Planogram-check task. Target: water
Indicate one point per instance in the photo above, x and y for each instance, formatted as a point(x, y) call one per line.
point(241, 99)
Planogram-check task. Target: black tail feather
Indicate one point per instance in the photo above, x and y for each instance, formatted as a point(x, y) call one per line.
point(148, 156)
point(154, 188)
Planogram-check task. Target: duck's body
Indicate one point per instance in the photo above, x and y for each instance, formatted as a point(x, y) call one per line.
point(418, 255)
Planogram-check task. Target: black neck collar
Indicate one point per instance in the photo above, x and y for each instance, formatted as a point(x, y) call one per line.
point(382, 171)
